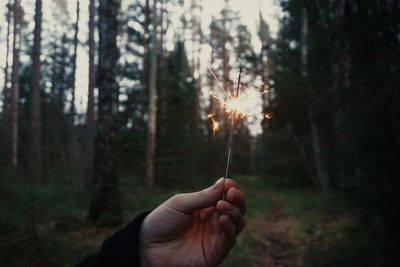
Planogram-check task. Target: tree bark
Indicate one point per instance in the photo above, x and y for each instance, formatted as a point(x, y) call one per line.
point(13, 130)
point(6, 92)
point(74, 57)
point(152, 118)
point(35, 157)
point(225, 56)
point(145, 43)
point(196, 51)
point(90, 112)
point(6, 76)
point(105, 208)
point(320, 171)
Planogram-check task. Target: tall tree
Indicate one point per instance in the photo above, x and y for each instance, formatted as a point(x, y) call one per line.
point(105, 207)
point(6, 89)
point(14, 99)
point(145, 42)
point(173, 142)
point(152, 117)
point(76, 41)
point(197, 36)
point(35, 157)
point(226, 37)
point(88, 152)
point(320, 171)
point(6, 68)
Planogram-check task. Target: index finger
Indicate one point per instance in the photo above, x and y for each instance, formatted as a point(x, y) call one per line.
point(228, 183)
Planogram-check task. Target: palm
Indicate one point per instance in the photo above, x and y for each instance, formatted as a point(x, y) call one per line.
point(184, 239)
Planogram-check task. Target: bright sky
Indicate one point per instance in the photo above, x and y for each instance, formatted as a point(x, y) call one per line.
point(248, 9)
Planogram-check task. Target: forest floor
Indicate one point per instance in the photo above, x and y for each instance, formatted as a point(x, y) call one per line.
point(284, 226)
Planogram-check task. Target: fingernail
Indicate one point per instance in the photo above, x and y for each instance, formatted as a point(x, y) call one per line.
point(220, 180)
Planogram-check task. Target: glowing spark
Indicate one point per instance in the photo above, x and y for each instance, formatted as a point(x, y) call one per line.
point(210, 115)
point(215, 124)
point(267, 116)
point(237, 106)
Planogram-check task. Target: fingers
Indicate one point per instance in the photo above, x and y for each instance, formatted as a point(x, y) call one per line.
point(191, 202)
point(227, 240)
point(237, 198)
point(227, 226)
point(228, 183)
point(233, 212)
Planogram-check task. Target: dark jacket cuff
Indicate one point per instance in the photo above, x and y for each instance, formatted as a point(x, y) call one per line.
point(121, 249)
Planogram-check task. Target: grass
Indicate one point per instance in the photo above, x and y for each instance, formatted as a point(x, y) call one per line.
point(279, 220)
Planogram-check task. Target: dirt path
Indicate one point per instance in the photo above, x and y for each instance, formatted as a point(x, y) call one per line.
point(276, 236)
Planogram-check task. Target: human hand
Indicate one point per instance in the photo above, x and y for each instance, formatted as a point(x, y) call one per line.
point(193, 229)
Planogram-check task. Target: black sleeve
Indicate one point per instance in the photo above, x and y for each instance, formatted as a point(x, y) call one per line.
point(121, 249)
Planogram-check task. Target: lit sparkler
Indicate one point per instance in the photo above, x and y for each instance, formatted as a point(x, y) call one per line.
point(238, 106)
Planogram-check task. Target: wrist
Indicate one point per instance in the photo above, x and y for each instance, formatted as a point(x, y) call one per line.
point(142, 245)
point(143, 261)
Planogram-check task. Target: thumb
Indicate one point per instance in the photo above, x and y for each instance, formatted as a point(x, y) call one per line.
point(191, 202)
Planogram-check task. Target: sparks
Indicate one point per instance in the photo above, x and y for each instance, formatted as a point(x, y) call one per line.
point(238, 106)
point(215, 124)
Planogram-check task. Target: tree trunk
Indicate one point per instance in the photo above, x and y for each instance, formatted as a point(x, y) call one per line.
point(89, 133)
point(7, 54)
point(196, 51)
point(35, 157)
point(320, 171)
point(105, 208)
point(227, 84)
point(145, 43)
point(13, 130)
point(6, 92)
point(225, 58)
point(152, 119)
point(72, 109)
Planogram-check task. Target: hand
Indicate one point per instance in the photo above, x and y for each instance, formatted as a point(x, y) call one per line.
point(194, 229)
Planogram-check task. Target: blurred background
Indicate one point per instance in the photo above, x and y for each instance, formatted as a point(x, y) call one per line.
point(103, 115)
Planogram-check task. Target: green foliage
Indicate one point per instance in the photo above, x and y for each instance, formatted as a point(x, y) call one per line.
point(177, 129)
point(55, 209)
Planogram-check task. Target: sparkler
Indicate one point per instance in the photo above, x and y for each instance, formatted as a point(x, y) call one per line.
point(232, 107)
point(237, 107)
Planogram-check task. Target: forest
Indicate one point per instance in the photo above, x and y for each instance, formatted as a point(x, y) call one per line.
point(110, 107)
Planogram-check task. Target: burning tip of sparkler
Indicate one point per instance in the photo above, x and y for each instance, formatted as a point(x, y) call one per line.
point(236, 105)
point(267, 116)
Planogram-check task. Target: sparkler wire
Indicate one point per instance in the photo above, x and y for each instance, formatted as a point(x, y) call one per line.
point(232, 129)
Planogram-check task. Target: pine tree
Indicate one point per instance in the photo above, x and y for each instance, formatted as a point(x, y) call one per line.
point(89, 133)
point(105, 207)
point(13, 130)
point(176, 147)
point(6, 91)
point(74, 58)
point(35, 158)
point(152, 117)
